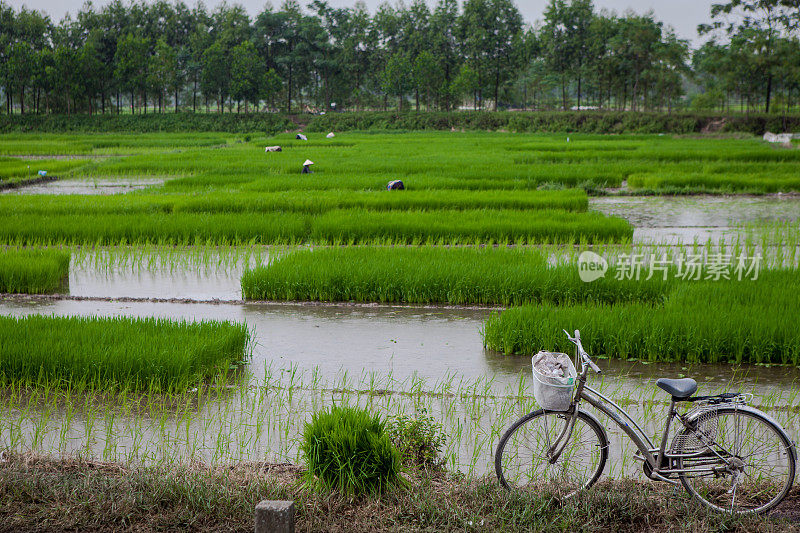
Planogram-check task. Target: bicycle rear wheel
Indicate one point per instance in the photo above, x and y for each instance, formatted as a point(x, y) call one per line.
point(521, 460)
point(749, 467)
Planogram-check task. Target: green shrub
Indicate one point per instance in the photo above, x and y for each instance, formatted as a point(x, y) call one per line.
point(348, 450)
point(156, 122)
point(419, 440)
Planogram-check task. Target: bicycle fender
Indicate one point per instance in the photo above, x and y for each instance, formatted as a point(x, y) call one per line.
point(753, 410)
point(601, 426)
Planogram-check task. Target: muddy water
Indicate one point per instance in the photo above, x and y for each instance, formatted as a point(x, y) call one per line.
point(87, 187)
point(171, 276)
point(682, 220)
point(430, 343)
point(302, 354)
point(309, 351)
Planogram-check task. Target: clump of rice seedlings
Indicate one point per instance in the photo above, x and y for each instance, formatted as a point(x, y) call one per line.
point(132, 353)
point(337, 226)
point(459, 276)
point(155, 257)
point(13, 170)
point(467, 226)
point(348, 450)
point(312, 202)
point(699, 322)
point(175, 229)
point(33, 271)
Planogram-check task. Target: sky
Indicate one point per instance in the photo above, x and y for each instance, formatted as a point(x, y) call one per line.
point(682, 15)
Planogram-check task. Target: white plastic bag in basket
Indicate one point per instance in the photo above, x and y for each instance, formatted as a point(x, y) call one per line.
point(556, 366)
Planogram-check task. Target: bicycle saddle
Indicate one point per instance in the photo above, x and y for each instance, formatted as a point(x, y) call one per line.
point(678, 388)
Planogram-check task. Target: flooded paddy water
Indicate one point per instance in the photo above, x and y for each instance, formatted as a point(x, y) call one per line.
point(87, 186)
point(689, 219)
point(398, 359)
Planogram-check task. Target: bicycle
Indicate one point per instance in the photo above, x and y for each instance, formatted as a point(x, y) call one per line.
point(728, 455)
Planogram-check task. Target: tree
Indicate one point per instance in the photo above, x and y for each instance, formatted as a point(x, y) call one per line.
point(396, 80)
point(163, 71)
point(215, 79)
point(247, 74)
point(444, 45)
point(467, 83)
point(20, 67)
point(427, 76)
point(567, 38)
point(64, 73)
point(758, 20)
point(131, 59)
point(272, 86)
point(489, 30)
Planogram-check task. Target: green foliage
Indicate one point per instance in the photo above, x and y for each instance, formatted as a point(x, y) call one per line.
point(419, 440)
point(552, 122)
point(699, 322)
point(347, 449)
point(269, 123)
point(121, 352)
point(397, 77)
point(541, 122)
point(33, 271)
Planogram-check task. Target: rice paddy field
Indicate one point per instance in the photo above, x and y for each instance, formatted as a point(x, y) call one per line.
point(191, 298)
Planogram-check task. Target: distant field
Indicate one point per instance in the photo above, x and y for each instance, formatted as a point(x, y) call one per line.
point(472, 187)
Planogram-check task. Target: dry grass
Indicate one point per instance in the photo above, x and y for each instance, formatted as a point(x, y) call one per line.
point(39, 494)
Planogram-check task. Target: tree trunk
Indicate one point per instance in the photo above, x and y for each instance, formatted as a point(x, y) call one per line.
point(132, 104)
point(416, 95)
point(176, 100)
point(22, 101)
point(496, 86)
point(579, 93)
point(769, 92)
point(289, 93)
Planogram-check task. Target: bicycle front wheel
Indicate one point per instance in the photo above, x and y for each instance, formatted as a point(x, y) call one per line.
point(522, 461)
point(749, 466)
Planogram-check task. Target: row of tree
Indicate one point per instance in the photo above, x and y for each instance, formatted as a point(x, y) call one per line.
point(155, 55)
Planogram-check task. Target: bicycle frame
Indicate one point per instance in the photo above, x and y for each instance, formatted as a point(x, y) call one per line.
point(654, 457)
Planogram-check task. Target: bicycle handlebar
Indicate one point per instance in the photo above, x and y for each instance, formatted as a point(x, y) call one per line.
point(576, 340)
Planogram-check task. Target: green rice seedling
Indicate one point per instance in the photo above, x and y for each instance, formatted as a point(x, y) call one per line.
point(312, 202)
point(345, 225)
point(33, 271)
point(141, 354)
point(13, 170)
point(348, 450)
point(699, 322)
point(489, 226)
point(460, 276)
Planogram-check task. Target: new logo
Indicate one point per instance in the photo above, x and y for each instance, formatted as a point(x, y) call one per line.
point(591, 266)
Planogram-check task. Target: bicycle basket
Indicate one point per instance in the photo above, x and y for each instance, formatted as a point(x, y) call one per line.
point(553, 380)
